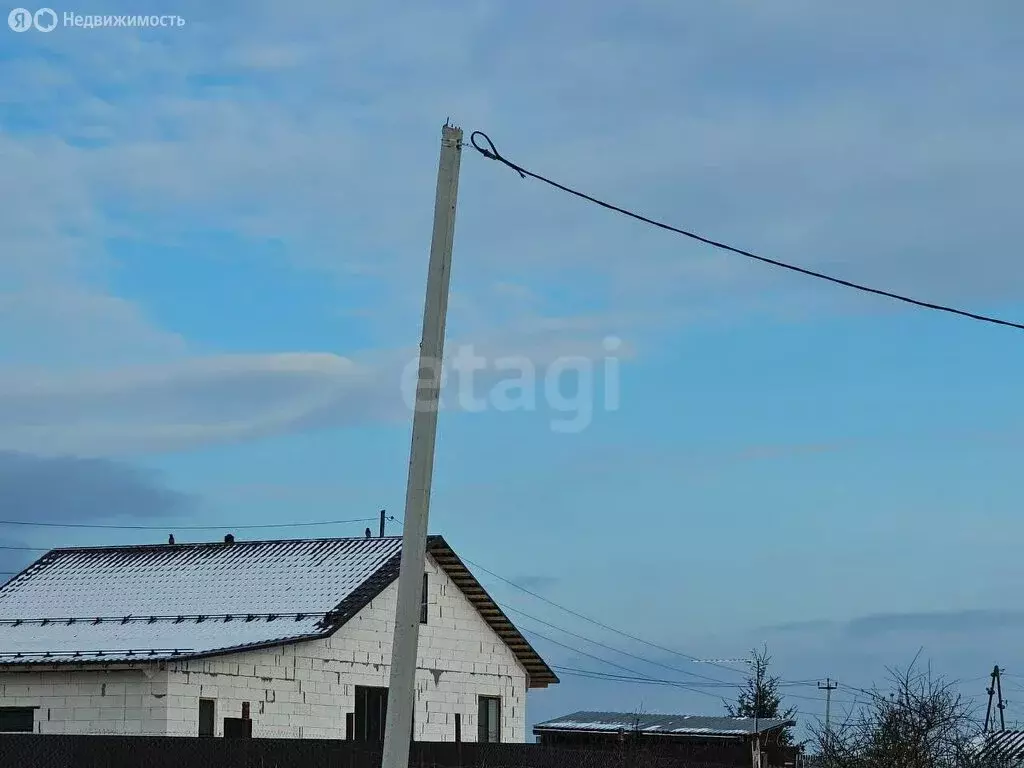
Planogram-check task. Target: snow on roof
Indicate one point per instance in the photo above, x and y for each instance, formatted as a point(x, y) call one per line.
point(689, 725)
point(201, 581)
point(172, 601)
point(1005, 746)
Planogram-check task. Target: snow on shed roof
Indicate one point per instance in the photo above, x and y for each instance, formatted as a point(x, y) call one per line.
point(1004, 746)
point(679, 725)
point(123, 604)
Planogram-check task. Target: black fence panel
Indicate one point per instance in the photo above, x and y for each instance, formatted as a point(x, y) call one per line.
point(38, 751)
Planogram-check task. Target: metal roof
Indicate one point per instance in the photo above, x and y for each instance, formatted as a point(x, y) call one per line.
point(1005, 746)
point(654, 724)
point(174, 601)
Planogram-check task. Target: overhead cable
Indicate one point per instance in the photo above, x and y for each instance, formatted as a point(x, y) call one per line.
point(176, 527)
point(491, 153)
point(597, 623)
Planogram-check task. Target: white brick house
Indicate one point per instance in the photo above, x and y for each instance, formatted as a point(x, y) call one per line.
point(278, 639)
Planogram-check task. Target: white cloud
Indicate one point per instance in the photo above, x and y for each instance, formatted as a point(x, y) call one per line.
point(194, 402)
point(173, 406)
point(853, 151)
point(82, 328)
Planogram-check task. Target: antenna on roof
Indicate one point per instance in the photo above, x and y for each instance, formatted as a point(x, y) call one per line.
point(229, 539)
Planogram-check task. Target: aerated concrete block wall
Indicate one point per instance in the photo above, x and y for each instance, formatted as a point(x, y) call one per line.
point(95, 701)
point(302, 690)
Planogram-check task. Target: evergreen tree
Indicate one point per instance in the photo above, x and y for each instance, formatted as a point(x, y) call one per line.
point(760, 696)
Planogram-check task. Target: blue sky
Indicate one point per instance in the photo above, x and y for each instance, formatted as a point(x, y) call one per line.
point(213, 246)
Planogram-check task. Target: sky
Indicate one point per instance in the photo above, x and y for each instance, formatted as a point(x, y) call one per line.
point(213, 252)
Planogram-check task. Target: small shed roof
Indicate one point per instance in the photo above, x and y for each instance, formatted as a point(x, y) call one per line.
point(176, 601)
point(1002, 747)
point(659, 725)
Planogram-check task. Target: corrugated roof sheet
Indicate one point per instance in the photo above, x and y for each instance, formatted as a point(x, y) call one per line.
point(655, 724)
point(251, 576)
point(188, 600)
point(1005, 746)
point(201, 580)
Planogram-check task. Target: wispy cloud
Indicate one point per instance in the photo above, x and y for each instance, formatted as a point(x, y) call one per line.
point(935, 623)
point(76, 490)
point(324, 136)
point(924, 623)
point(69, 489)
point(172, 406)
point(198, 401)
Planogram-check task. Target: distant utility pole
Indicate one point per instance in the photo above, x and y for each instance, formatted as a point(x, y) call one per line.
point(758, 678)
point(402, 689)
point(758, 762)
point(382, 513)
point(995, 687)
point(828, 686)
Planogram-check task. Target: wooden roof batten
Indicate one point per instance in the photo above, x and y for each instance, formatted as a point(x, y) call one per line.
point(539, 674)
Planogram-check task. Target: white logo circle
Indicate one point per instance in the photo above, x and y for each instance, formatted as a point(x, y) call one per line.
point(20, 20)
point(44, 24)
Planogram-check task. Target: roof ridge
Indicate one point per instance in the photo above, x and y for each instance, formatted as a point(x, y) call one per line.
point(641, 715)
point(221, 543)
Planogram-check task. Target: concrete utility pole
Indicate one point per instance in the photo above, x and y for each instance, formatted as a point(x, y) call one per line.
point(402, 689)
point(758, 677)
point(828, 687)
point(993, 689)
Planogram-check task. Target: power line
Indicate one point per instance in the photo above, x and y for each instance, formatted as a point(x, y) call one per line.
point(878, 694)
point(173, 526)
point(607, 676)
point(616, 650)
point(12, 548)
point(595, 622)
point(625, 679)
point(492, 153)
point(588, 655)
point(782, 682)
point(639, 676)
point(688, 685)
point(865, 691)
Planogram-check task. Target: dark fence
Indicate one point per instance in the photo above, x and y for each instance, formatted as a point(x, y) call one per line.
point(690, 750)
point(36, 751)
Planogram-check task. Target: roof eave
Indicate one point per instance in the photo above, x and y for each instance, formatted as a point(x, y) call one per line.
point(538, 673)
point(183, 656)
point(542, 728)
point(615, 732)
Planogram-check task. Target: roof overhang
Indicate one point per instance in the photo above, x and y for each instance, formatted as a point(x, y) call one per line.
point(539, 674)
point(611, 731)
